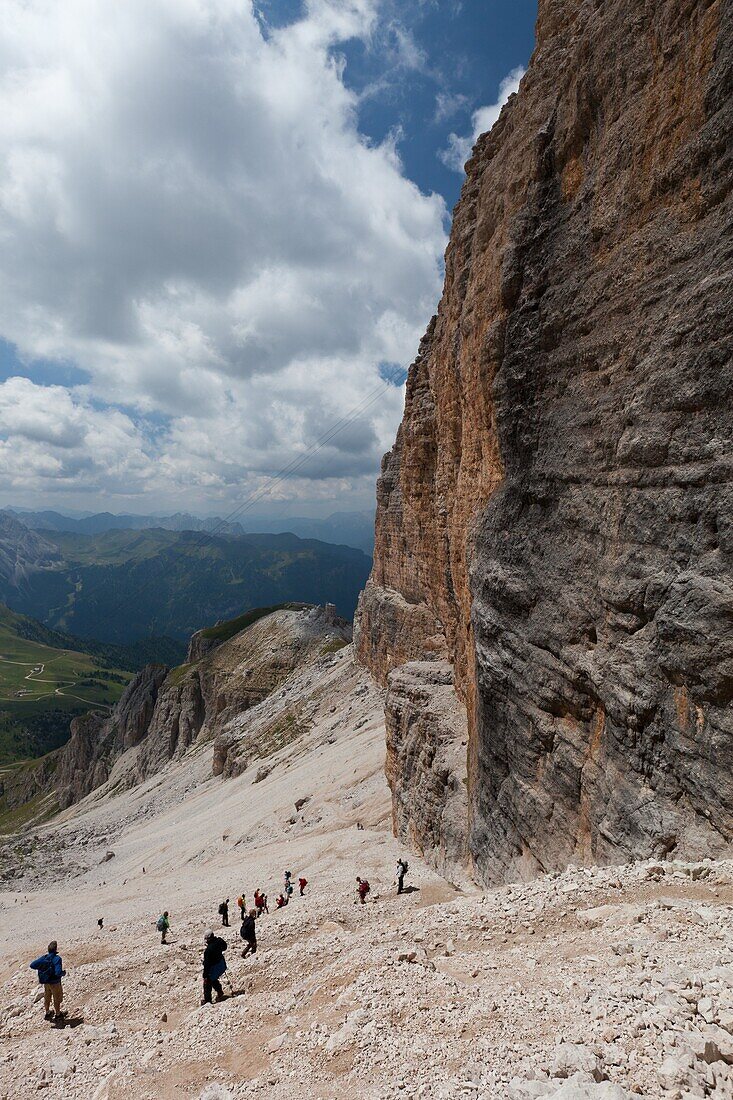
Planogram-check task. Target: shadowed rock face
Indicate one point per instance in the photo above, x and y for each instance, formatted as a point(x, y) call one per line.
point(556, 514)
point(426, 762)
point(97, 740)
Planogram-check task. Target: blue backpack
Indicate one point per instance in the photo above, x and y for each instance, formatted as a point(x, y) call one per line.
point(47, 970)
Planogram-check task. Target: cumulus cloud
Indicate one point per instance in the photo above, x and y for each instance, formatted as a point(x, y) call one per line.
point(49, 437)
point(190, 215)
point(459, 147)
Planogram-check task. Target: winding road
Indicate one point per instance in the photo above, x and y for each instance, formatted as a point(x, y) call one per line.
point(34, 676)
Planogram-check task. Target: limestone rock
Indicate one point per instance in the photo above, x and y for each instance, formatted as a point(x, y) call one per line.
point(572, 1058)
point(554, 518)
point(426, 762)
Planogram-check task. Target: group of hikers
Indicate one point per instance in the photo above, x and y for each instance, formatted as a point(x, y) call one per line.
point(259, 900)
point(214, 963)
point(50, 966)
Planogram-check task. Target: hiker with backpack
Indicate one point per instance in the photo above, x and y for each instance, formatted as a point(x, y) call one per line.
point(214, 966)
point(249, 934)
point(163, 924)
point(224, 913)
point(242, 903)
point(281, 901)
point(261, 903)
point(302, 883)
point(402, 868)
point(288, 889)
point(50, 972)
point(362, 889)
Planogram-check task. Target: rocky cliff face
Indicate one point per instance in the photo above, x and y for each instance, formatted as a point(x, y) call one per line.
point(163, 713)
point(555, 516)
point(97, 739)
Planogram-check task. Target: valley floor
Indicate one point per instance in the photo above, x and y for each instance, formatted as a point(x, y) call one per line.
point(603, 983)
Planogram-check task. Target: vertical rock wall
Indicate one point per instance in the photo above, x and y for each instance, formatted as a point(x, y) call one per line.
point(556, 516)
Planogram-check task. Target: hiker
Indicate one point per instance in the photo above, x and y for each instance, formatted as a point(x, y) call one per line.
point(288, 885)
point(163, 924)
point(402, 867)
point(363, 888)
point(50, 972)
point(224, 913)
point(214, 965)
point(249, 934)
point(100, 922)
point(302, 883)
point(261, 903)
point(242, 903)
point(282, 901)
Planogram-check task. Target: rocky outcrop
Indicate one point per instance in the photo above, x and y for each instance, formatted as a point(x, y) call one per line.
point(97, 739)
point(163, 713)
point(270, 653)
point(426, 763)
point(555, 514)
point(24, 786)
point(200, 645)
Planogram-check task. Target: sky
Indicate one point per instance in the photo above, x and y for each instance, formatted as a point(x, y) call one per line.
point(222, 227)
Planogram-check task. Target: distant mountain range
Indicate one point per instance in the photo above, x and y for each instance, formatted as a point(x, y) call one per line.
point(120, 586)
point(343, 528)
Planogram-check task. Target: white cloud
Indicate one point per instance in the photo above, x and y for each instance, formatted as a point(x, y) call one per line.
point(447, 104)
point(189, 214)
point(50, 438)
point(459, 148)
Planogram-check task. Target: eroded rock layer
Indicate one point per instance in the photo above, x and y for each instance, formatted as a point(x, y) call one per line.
point(556, 515)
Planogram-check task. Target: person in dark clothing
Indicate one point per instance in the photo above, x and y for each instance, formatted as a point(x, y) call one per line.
point(163, 925)
point(224, 913)
point(50, 972)
point(214, 966)
point(362, 889)
point(249, 934)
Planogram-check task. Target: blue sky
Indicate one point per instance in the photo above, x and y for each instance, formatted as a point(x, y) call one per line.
point(468, 48)
point(221, 238)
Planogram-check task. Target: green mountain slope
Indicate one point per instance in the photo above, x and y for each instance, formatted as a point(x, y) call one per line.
point(43, 684)
point(121, 586)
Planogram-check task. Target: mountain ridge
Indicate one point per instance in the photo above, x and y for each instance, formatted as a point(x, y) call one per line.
point(345, 528)
point(121, 586)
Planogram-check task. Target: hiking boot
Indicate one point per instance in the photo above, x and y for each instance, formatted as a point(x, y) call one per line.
point(49, 1015)
point(220, 997)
